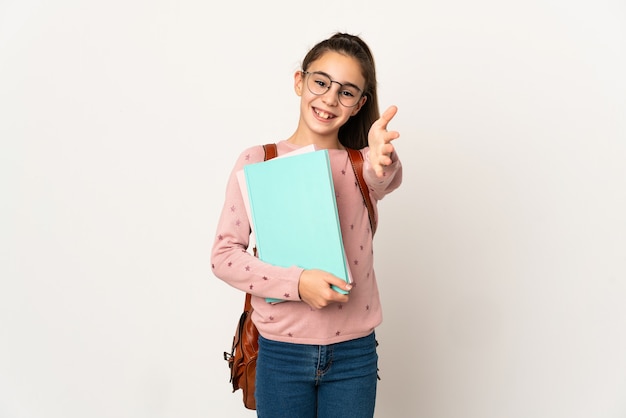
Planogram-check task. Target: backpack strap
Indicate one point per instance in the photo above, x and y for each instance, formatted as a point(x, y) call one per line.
point(356, 159)
point(270, 151)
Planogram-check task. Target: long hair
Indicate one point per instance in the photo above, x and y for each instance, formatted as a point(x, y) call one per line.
point(353, 134)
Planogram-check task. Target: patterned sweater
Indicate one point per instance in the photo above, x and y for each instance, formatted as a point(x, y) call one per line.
point(293, 320)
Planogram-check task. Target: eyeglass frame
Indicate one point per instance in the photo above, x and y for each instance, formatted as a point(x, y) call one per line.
point(307, 73)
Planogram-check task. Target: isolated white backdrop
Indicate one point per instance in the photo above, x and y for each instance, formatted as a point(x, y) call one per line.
point(501, 259)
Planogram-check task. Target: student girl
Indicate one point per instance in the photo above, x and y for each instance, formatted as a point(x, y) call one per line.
point(317, 350)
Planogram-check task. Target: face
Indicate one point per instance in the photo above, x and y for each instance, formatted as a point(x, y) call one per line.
point(323, 113)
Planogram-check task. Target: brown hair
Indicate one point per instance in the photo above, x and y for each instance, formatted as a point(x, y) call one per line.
point(353, 134)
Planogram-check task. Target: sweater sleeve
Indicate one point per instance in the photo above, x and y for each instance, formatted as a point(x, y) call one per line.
point(230, 259)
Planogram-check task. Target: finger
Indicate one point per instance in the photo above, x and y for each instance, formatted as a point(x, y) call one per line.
point(340, 298)
point(339, 283)
point(385, 152)
point(387, 115)
point(336, 296)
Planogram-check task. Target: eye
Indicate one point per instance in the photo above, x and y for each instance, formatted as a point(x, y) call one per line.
point(321, 82)
point(348, 93)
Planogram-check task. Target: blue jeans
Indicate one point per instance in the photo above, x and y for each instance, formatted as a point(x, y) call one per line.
point(316, 381)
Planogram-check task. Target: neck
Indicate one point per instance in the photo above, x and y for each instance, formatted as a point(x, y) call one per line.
point(321, 142)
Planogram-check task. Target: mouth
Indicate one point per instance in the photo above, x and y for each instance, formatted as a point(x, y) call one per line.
point(323, 115)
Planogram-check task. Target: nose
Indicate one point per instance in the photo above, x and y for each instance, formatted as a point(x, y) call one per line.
point(331, 97)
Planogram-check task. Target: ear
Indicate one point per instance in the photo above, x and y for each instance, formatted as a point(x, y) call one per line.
point(298, 82)
point(359, 106)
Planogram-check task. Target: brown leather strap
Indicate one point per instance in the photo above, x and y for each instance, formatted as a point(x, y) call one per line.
point(270, 151)
point(356, 159)
point(247, 305)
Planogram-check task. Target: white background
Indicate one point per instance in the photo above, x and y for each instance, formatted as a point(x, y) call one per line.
point(501, 259)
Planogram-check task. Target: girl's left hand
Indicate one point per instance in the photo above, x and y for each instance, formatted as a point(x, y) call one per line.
point(379, 139)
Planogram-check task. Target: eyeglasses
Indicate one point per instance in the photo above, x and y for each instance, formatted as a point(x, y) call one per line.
point(319, 83)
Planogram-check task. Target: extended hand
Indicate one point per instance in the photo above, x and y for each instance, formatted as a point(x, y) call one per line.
point(315, 290)
point(379, 139)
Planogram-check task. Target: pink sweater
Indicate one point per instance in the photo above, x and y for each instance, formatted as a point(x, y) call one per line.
point(293, 320)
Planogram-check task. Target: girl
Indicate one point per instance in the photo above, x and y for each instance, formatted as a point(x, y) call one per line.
point(317, 350)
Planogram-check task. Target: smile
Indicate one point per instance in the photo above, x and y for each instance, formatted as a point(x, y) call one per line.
point(322, 114)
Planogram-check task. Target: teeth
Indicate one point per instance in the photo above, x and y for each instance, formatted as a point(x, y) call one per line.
point(323, 114)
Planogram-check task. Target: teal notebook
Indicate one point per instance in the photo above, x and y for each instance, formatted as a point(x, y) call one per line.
point(294, 213)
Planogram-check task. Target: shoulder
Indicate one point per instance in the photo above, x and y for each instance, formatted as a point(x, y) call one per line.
point(253, 154)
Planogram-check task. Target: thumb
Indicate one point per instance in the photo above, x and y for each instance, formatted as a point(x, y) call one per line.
point(387, 115)
point(340, 283)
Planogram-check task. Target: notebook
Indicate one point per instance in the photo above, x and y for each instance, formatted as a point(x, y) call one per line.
point(293, 213)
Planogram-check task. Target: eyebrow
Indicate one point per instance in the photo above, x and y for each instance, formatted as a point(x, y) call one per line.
point(343, 84)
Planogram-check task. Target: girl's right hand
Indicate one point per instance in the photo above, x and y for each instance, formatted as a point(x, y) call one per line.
point(379, 140)
point(315, 288)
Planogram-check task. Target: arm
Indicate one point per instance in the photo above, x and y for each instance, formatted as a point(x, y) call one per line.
point(382, 169)
point(230, 260)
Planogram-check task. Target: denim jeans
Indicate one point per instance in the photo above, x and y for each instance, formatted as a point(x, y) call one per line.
point(317, 381)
